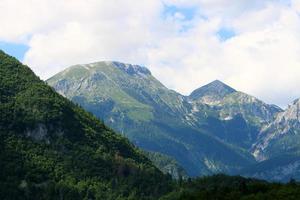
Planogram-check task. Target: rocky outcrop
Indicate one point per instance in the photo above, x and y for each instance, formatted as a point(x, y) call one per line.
point(281, 135)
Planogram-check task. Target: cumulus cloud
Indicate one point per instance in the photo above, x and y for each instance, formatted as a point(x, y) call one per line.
point(184, 52)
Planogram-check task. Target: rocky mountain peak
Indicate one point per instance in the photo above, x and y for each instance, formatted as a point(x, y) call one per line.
point(131, 69)
point(213, 91)
point(277, 136)
point(291, 113)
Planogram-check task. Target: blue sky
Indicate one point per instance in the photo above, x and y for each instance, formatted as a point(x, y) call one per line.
point(187, 12)
point(16, 50)
point(226, 33)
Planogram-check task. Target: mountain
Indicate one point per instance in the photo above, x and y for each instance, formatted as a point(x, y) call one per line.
point(51, 148)
point(265, 130)
point(126, 88)
point(232, 116)
point(282, 136)
point(130, 100)
point(212, 92)
point(281, 168)
point(229, 102)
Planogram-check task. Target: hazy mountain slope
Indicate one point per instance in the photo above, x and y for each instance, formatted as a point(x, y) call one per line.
point(282, 136)
point(282, 168)
point(133, 102)
point(53, 149)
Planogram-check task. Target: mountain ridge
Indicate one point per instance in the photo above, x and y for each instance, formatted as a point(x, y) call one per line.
point(154, 117)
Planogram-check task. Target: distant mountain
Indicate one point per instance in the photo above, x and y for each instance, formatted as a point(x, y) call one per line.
point(211, 93)
point(129, 99)
point(282, 136)
point(282, 168)
point(229, 102)
point(232, 116)
point(52, 149)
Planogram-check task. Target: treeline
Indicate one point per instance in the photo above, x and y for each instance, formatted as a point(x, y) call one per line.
point(222, 187)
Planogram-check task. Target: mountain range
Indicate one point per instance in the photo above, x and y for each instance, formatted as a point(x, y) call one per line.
point(215, 129)
point(51, 148)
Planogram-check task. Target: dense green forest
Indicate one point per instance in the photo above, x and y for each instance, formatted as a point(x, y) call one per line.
point(233, 187)
point(51, 148)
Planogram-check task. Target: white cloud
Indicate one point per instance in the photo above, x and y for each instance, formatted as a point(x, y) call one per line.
point(261, 59)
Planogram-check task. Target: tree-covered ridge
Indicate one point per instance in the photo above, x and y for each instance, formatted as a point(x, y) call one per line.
point(222, 187)
point(53, 149)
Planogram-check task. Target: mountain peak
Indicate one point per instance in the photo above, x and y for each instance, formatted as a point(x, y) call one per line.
point(291, 113)
point(130, 69)
point(218, 83)
point(216, 90)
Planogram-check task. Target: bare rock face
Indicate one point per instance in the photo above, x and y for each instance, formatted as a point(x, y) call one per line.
point(39, 133)
point(42, 133)
point(280, 136)
point(131, 69)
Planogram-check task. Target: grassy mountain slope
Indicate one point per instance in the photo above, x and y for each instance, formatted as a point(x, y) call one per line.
point(53, 149)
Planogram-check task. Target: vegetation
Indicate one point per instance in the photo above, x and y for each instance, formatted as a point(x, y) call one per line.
point(167, 165)
point(53, 149)
point(222, 187)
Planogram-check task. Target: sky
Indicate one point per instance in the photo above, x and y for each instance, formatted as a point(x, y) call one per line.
point(253, 46)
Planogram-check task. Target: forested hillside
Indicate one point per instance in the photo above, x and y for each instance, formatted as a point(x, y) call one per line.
point(221, 187)
point(53, 149)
